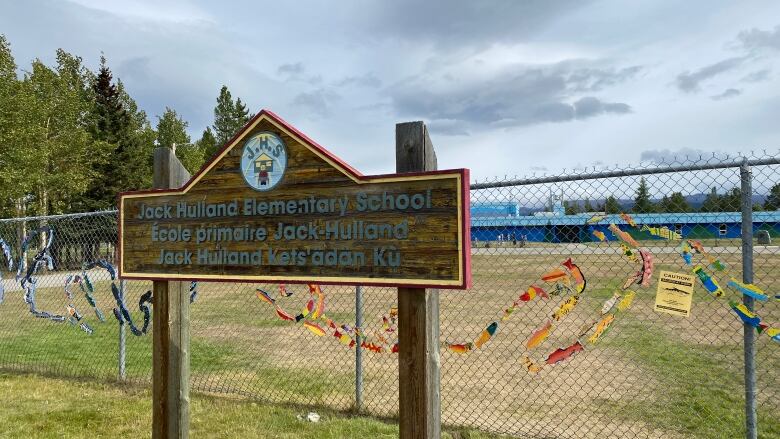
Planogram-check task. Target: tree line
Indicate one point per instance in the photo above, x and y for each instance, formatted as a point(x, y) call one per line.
point(72, 138)
point(731, 201)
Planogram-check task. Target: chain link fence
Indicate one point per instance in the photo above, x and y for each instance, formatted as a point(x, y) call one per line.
point(650, 375)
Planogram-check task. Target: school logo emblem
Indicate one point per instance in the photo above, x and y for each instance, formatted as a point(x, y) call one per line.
point(263, 161)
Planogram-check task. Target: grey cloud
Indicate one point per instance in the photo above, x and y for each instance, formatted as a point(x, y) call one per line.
point(690, 81)
point(520, 95)
point(598, 79)
point(760, 39)
point(460, 23)
point(757, 76)
point(726, 94)
point(590, 106)
point(447, 128)
point(297, 72)
point(292, 69)
point(661, 156)
point(317, 101)
point(367, 80)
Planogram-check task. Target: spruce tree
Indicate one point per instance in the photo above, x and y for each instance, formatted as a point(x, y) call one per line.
point(207, 144)
point(772, 201)
point(642, 203)
point(611, 205)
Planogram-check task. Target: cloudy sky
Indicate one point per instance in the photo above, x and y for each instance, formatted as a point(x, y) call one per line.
point(506, 87)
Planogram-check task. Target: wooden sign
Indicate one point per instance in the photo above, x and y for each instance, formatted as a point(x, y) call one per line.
point(273, 206)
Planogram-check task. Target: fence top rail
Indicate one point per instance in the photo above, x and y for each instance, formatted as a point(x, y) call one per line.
point(628, 172)
point(61, 216)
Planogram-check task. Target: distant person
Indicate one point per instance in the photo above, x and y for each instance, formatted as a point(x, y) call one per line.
point(514, 239)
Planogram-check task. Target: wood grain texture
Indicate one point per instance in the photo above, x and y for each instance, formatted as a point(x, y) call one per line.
point(418, 316)
point(433, 253)
point(170, 330)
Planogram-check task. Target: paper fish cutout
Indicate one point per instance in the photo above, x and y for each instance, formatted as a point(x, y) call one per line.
point(314, 328)
point(710, 284)
point(460, 348)
point(529, 365)
point(579, 278)
point(262, 295)
point(554, 275)
point(561, 354)
point(532, 292)
point(662, 232)
point(600, 235)
point(394, 348)
point(748, 317)
point(486, 335)
point(716, 264)
point(774, 334)
point(539, 336)
point(565, 308)
point(193, 291)
point(595, 219)
point(647, 267)
point(697, 245)
point(610, 303)
point(623, 236)
point(627, 218)
point(283, 315)
point(748, 290)
point(601, 328)
point(625, 303)
point(283, 291)
point(320, 308)
point(630, 253)
point(688, 258)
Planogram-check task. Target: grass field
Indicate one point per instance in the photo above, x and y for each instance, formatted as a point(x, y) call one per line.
point(41, 407)
point(652, 375)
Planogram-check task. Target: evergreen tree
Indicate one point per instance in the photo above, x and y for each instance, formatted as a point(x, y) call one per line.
point(116, 120)
point(772, 201)
point(611, 206)
point(731, 201)
point(711, 202)
point(674, 203)
point(571, 207)
point(172, 132)
point(642, 203)
point(229, 116)
point(587, 207)
point(207, 144)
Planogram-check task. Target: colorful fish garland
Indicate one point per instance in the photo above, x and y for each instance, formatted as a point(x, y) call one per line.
point(662, 232)
point(9, 259)
point(623, 236)
point(25, 273)
point(644, 275)
point(749, 290)
point(710, 284)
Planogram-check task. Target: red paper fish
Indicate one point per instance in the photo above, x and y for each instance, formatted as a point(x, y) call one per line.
point(283, 291)
point(283, 315)
point(460, 348)
point(561, 354)
point(394, 349)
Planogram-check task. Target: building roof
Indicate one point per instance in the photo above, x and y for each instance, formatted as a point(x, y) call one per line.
point(647, 218)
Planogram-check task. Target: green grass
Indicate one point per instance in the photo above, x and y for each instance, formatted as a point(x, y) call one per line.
point(38, 407)
point(699, 388)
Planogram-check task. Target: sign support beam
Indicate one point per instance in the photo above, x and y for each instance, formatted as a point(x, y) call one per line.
point(170, 330)
point(418, 314)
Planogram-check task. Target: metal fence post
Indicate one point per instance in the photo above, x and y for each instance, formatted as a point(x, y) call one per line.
point(358, 350)
point(122, 339)
point(751, 430)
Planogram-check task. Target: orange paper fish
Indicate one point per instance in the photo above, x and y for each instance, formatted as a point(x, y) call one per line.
point(539, 336)
point(554, 275)
point(314, 328)
point(460, 348)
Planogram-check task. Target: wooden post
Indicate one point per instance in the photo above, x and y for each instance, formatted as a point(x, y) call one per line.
point(171, 329)
point(418, 314)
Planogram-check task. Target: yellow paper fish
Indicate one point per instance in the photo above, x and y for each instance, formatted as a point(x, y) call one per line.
point(565, 308)
point(626, 302)
point(530, 366)
point(601, 327)
point(600, 235)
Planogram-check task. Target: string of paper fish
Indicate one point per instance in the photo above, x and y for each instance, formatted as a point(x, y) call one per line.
point(9, 260)
point(25, 273)
point(712, 286)
point(557, 276)
point(314, 311)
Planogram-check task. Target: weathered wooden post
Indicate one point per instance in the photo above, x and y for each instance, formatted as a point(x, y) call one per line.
point(418, 314)
point(171, 329)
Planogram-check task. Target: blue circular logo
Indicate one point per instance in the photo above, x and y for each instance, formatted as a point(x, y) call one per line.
point(263, 161)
